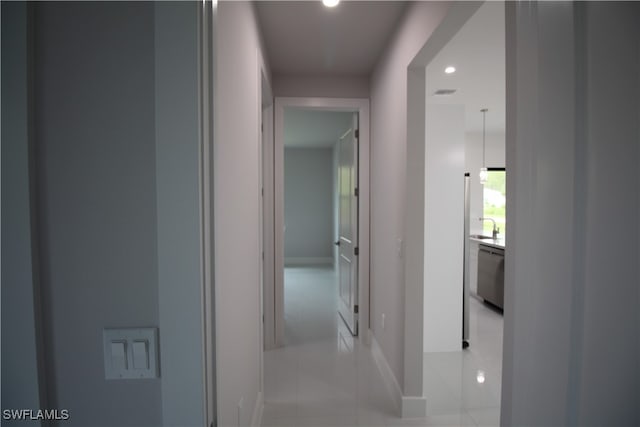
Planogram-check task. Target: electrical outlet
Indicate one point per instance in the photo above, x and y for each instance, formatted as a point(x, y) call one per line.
point(382, 323)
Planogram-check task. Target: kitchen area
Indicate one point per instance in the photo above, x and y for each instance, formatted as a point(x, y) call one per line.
point(484, 247)
point(465, 223)
point(487, 247)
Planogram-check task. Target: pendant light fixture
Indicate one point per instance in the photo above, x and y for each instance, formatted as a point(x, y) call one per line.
point(483, 170)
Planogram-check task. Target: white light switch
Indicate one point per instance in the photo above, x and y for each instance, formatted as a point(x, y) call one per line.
point(130, 353)
point(141, 354)
point(119, 355)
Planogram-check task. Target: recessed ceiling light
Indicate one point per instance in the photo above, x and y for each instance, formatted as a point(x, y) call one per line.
point(450, 69)
point(330, 3)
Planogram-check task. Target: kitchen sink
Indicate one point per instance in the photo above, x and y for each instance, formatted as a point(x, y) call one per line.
point(481, 237)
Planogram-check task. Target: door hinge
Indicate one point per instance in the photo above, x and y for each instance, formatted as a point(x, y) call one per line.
point(355, 309)
point(262, 191)
point(261, 127)
point(357, 133)
point(356, 251)
point(263, 255)
point(356, 192)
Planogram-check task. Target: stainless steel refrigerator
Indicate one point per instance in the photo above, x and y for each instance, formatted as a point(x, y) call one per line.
point(465, 275)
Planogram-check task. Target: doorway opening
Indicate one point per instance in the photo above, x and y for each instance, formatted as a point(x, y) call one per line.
point(318, 367)
point(456, 128)
point(327, 143)
point(319, 166)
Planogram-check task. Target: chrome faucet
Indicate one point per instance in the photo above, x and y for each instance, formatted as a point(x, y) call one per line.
point(496, 230)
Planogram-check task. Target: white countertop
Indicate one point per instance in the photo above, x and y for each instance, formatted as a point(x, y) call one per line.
point(495, 243)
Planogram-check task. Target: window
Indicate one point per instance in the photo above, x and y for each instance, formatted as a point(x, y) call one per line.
point(494, 201)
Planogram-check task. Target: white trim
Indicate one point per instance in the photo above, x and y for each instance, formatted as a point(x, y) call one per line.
point(256, 417)
point(268, 229)
point(388, 378)
point(293, 261)
point(184, 319)
point(407, 406)
point(361, 106)
point(263, 139)
point(206, 20)
point(278, 223)
point(414, 407)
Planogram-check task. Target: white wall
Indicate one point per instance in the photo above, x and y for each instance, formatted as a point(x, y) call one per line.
point(177, 164)
point(388, 180)
point(443, 229)
point(308, 205)
point(94, 124)
point(236, 211)
point(571, 340)
point(611, 311)
point(325, 87)
point(19, 362)
point(117, 207)
point(494, 158)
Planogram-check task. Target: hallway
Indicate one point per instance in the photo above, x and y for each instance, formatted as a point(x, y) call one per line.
point(142, 171)
point(323, 376)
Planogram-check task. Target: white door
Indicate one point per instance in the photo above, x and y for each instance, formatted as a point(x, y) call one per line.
point(348, 227)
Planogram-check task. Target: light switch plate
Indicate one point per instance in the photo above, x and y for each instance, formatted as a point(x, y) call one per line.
point(130, 353)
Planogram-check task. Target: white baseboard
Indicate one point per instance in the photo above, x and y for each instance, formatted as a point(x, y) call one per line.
point(294, 261)
point(407, 406)
point(256, 418)
point(414, 407)
point(389, 379)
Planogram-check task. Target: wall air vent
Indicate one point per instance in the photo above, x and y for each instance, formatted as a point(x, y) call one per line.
point(444, 92)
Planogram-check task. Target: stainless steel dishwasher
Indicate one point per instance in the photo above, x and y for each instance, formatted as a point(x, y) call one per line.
point(491, 275)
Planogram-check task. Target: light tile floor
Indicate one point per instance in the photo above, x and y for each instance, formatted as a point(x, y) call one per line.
point(467, 384)
point(325, 377)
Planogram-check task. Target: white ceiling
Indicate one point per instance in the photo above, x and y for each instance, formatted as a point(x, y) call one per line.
point(478, 53)
point(305, 37)
point(313, 128)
